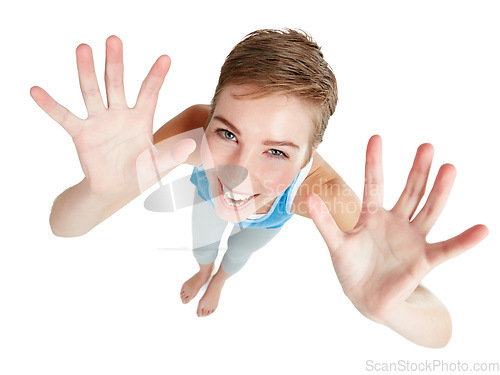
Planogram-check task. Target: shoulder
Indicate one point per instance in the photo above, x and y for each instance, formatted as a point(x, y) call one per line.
point(317, 179)
point(324, 181)
point(187, 124)
point(321, 170)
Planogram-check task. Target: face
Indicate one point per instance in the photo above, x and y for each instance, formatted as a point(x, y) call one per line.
point(252, 150)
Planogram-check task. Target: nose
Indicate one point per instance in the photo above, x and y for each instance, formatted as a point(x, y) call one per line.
point(237, 168)
point(232, 175)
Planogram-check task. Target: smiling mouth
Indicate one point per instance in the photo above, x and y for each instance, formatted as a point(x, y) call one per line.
point(233, 200)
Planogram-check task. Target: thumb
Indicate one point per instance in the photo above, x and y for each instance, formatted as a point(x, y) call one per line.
point(175, 155)
point(323, 220)
point(152, 162)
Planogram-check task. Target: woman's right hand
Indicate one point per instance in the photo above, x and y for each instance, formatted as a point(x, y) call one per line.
point(115, 144)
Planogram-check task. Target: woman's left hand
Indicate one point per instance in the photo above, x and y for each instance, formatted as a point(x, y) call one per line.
point(384, 258)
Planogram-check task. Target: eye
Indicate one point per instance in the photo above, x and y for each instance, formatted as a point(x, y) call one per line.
point(277, 153)
point(226, 134)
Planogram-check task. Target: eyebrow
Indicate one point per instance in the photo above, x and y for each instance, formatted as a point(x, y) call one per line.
point(267, 142)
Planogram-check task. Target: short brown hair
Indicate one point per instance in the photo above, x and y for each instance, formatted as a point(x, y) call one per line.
point(286, 62)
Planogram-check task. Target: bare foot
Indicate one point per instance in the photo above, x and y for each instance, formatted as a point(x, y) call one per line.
point(191, 287)
point(208, 303)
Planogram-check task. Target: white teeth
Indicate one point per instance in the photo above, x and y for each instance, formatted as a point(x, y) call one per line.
point(236, 199)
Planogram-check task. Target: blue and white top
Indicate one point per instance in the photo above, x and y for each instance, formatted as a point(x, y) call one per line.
point(278, 214)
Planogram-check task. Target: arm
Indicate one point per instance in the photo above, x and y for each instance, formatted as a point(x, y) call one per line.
point(79, 209)
point(115, 143)
point(422, 312)
point(382, 261)
point(422, 319)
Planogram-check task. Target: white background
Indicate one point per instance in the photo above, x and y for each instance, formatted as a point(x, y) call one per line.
point(108, 302)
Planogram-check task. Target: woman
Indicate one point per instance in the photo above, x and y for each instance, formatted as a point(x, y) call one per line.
point(380, 262)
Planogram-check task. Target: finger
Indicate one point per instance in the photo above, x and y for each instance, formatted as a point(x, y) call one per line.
point(439, 252)
point(373, 194)
point(417, 180)
point(88, 80)
point(323, 220)
point(148, 95)
point(436, 201)
point(113, 76)
point(152, 163)
point(57, 112)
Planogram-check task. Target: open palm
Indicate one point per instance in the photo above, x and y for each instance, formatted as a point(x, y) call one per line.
point(384, 258)
point(114, 143)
